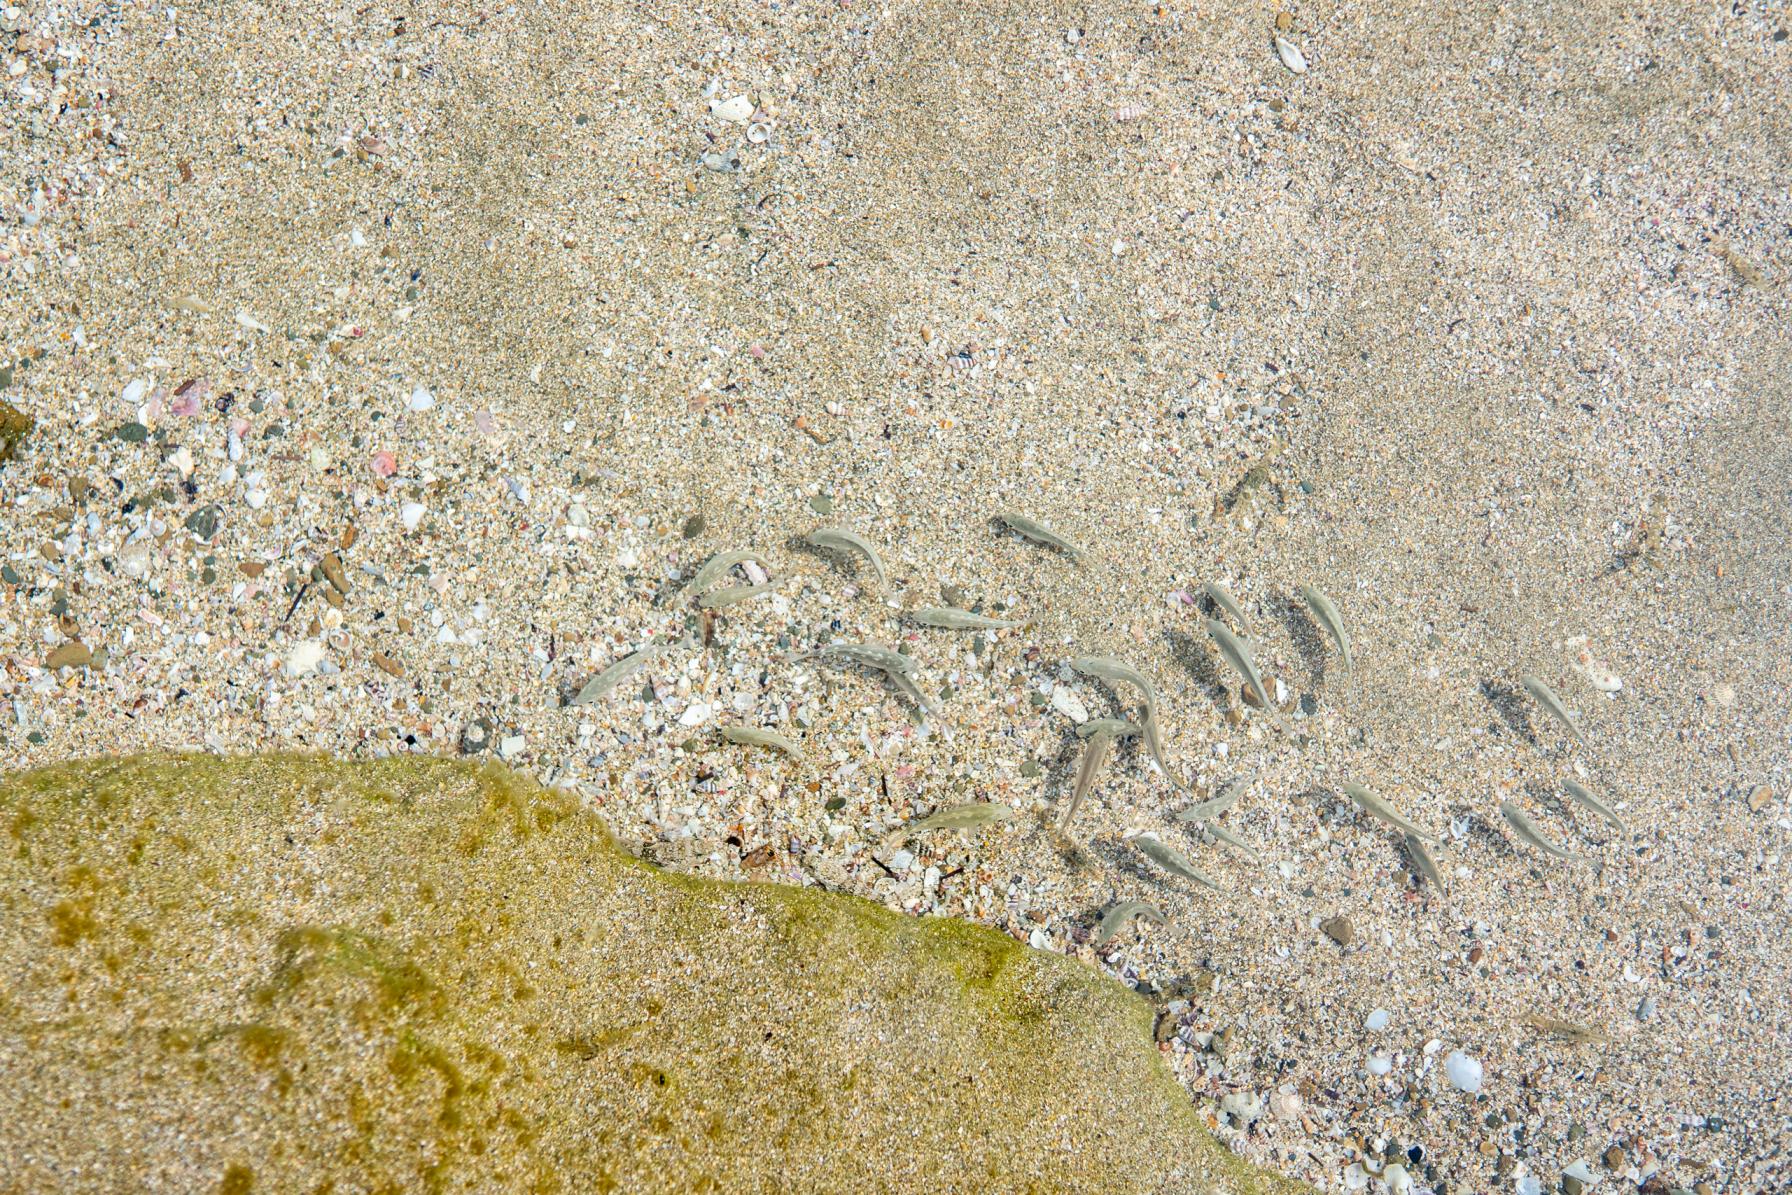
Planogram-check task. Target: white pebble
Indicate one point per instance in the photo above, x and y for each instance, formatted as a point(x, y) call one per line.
point(695, 715)
point(1528, 1185)
point(134, 392)
point(304, 658)
point(901, 861)
point(411, 514)
point(1378, 1020)
point(1463, 1072)
point(1398, 1181)
point(421, 400)
point(1066, 702)
point(510, 746)
point(1380, 1064)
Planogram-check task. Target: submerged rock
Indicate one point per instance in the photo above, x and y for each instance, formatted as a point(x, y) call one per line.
point(15, 425)
point(287, 973)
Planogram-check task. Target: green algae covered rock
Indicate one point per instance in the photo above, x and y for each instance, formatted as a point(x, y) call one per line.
point(293, 975)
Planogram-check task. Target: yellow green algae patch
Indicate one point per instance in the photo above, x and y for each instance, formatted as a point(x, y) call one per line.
point(289, 974)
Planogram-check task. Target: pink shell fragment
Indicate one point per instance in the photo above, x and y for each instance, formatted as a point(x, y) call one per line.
point(384, 464)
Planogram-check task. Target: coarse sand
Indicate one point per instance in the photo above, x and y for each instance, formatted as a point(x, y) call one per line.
point(393, 369)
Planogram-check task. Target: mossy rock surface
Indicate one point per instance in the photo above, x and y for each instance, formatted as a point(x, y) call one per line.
point(294, 975)
point(15, 425)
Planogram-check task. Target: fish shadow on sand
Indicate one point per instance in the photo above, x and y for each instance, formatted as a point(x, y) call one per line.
point(1193, 655)
point(1511, 709)
point(1060, 771)
point(1579, 826)
point(1497, 838)
point(1123, 859)
point(1308, 639)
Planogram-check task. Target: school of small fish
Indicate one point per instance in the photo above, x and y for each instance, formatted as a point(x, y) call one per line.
point(1100, 735)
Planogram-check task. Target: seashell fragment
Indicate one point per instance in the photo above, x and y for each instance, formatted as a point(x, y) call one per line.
point(1291, 56)
point(735, 111)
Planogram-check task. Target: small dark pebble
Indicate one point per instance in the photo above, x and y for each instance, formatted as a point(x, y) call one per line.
point(694, 526)
point(1030, 768)
point(203, 522)
point(1339, 930)
point(821, 504)
point(133, 433)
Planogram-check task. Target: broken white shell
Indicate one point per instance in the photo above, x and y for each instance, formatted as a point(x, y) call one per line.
point(1603, 678)
point(735, 111)
point(759, 132)
point(1291, 56)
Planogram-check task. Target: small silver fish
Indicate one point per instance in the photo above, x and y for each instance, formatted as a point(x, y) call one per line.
point(1230, 839)
point(1171, 859)
point(1238, 654)
point(1566, 1030)
point(948, 618)
point(1386, 812)
point(1595, 804)
point(1118, 727)
point(1101, 745)
point(1112, 671)
point(728, 595)
point(1528, 831)
point(1106, 668)
point(1116, 918)
point(911, 690)
point(898, 667)
point(842, 539)
point(1039, 533)
point(1552, 705)
point(872, 655)
point(1154, 743)
point(749, 736)
point(1222, 597)
point(1425, 863)
point(716, 566)
point(1210, 809)
point(956, 817)
point(615, 674)
point(1327, 614)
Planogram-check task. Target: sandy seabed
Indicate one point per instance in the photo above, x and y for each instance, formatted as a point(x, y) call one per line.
point(393, 369)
